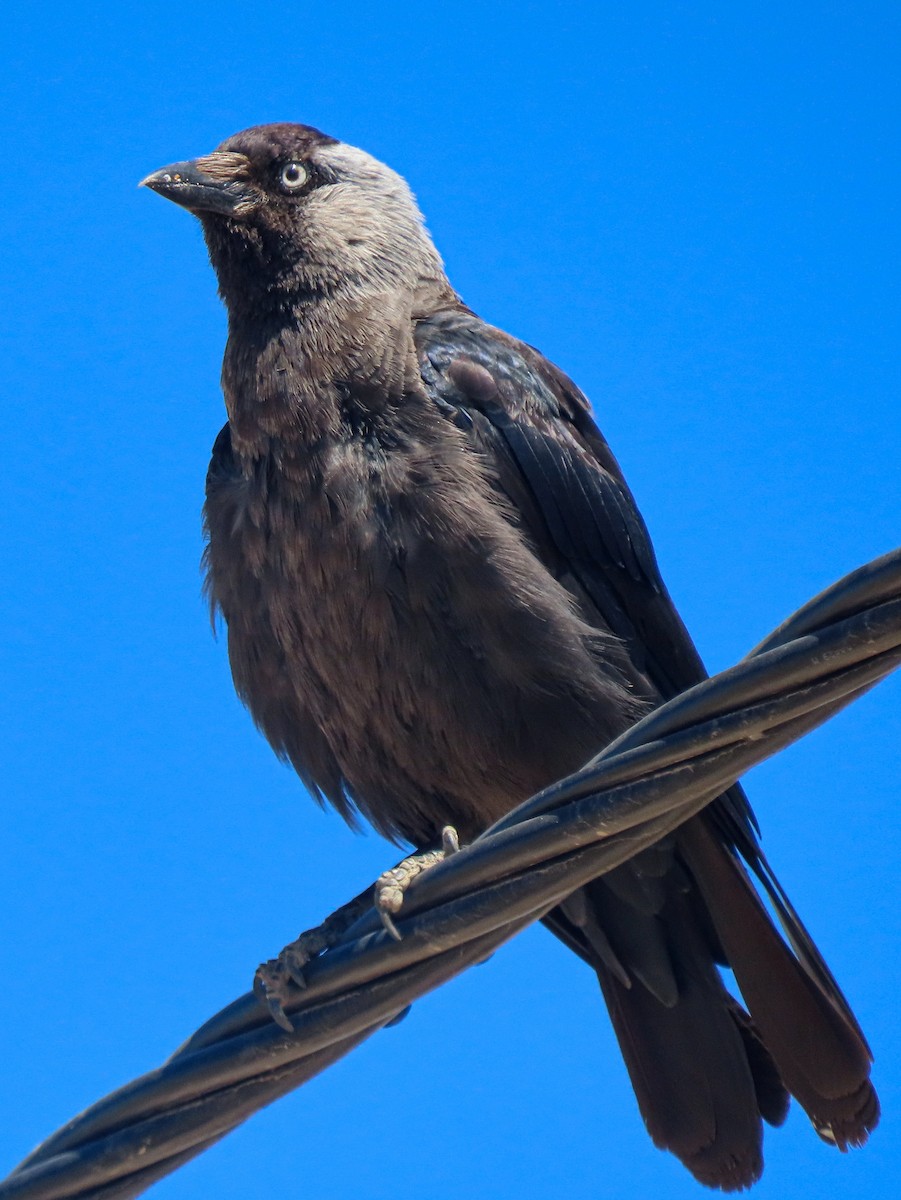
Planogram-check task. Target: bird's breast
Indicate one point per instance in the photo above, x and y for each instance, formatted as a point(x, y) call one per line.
point(389, 603)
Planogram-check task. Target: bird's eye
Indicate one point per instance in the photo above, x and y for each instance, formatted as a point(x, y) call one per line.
point(292, 176)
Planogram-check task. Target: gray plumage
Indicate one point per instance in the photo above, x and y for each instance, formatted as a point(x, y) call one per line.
point(440, 597)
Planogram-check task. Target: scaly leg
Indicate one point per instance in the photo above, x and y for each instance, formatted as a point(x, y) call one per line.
point(274, 979)
point(390, 887)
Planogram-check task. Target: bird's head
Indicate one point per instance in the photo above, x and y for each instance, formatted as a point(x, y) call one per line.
point(292, 216)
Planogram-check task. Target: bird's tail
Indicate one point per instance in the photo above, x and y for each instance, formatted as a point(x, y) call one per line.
point(706, 1072)
point(798, 1008)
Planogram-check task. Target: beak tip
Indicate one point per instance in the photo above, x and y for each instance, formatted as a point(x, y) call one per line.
point(197, 187)
point(157, 179)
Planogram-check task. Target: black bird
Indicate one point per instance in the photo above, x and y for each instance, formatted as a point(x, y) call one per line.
point(441, 597)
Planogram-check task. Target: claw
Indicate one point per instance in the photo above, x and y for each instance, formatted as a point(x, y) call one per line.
point(261, 980)
point(388, 923)
point(296, 976)
point(268, 987)
point(450, 842)
point(278, 1014)
point(294, 965)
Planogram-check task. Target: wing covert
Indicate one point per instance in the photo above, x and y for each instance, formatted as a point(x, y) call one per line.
point(559, 472)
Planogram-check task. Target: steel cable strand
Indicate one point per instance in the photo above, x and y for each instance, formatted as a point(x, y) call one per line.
point(658, 774)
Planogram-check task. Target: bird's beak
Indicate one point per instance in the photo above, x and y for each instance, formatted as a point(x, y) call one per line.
point(217, 183)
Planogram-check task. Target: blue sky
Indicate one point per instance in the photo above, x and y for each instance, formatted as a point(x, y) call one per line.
point(693, 208)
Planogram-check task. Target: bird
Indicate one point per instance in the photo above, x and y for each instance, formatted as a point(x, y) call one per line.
point(440, 597)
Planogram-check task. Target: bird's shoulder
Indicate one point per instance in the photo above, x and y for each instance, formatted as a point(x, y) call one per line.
point(537, 427)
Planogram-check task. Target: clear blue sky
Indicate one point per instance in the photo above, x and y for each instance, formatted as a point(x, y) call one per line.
point(693, 208)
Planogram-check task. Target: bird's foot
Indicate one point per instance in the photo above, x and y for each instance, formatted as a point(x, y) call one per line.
point(272, 987)
point(391, 886)
point(276, 981)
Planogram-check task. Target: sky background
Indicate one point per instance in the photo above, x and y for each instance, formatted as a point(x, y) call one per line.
point(693, 209)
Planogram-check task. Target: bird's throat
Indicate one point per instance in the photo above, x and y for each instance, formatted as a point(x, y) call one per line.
point(299, 378)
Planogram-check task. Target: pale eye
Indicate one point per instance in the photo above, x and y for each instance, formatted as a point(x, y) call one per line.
point(292, 176)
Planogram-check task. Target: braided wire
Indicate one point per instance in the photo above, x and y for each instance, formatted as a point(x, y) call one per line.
point(661, 772)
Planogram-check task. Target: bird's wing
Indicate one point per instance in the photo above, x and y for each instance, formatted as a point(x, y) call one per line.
point(551, 461)
point(554, 466)
point(559, 471)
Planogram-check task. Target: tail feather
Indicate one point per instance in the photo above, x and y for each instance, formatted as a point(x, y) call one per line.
point(801, 942)
point(772, 1097)
point(806, 1025)
point(702, 1078)
point(706, 1073)
point(692, 1080)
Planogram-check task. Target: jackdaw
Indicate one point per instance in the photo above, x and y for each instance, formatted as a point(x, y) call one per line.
point(441, 597)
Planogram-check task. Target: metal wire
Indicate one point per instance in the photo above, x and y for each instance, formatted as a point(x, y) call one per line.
point(658, 774)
